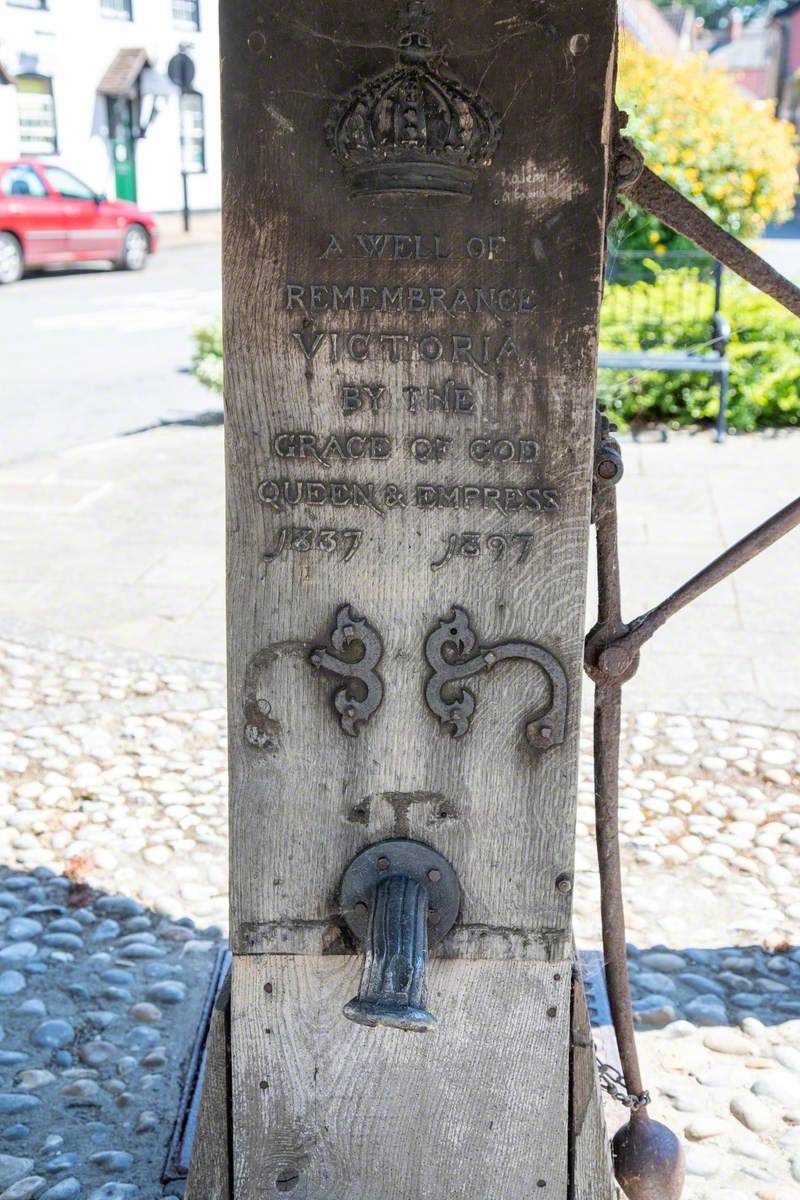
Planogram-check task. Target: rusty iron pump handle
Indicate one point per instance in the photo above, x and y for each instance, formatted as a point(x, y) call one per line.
point(616, 658)
point(665, 202)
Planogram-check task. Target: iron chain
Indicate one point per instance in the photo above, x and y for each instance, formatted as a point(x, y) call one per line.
point(613, 1082)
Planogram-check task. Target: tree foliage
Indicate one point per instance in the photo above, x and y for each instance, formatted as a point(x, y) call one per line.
point(727, 153)
point(716, 13)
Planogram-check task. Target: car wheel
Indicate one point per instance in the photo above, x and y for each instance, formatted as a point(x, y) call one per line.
point(135, 249)
point(12, 263)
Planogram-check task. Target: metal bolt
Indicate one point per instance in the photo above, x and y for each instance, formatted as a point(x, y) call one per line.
point(382, 864)
point(546, 732)
point(564, 884)
point(434, 875)
point(606, 468)
point(490, 659)
point(316, 658)
point(350, 712)
point(349, 632)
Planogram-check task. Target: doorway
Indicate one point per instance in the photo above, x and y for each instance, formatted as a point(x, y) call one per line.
point(123, 146)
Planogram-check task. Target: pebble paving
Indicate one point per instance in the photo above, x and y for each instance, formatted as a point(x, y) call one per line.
point(114, 779)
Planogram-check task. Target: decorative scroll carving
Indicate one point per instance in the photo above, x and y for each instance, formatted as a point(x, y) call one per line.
point(449, 651)
point(414, 130)
point(359, 649)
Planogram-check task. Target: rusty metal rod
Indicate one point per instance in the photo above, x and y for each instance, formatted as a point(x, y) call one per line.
point(666, 203)
point(619, 653)
point(648, 1158)
point(607, 723)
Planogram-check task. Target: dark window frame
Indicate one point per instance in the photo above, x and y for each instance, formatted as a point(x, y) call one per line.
point(109, 10)
point(40, 153)
point(191, 23)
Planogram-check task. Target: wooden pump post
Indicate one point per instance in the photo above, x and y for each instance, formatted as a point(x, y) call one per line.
point(414, 215)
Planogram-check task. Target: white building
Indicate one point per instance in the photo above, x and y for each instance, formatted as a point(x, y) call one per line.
point(84, 83)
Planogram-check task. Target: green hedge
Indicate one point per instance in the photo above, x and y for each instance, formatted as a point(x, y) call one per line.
point(764, 353)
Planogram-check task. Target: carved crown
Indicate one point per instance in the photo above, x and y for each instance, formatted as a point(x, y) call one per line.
point(414, 131)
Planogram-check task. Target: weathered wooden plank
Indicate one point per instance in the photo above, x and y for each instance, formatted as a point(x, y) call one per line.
point(474, 1109)
point(210, 1168)
point(592, 1175)
point(410, 411)
point(517, 369)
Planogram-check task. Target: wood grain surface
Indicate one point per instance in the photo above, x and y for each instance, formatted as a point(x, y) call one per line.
point(432, 336)
point(305, 798)
point(210, 1168)
point(591, 1169)
point(474, 1109)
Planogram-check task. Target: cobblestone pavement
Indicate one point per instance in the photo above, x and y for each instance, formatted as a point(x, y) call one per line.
point(115, 777)
point(100, 1000)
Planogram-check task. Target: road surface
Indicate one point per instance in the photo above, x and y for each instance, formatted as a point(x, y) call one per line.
point(92, 353)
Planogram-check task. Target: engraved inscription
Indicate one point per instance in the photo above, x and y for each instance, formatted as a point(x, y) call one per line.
point(301, 539)
point(492, 547)
point(484, 329)
point(482, 352)
point(325, 449)
point(451, 397)
point(280, 494)
point(315, 298)
point(503, 450)
point(358, 396)
point(404, 247)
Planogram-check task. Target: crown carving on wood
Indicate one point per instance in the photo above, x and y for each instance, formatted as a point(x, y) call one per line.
point(413, 132)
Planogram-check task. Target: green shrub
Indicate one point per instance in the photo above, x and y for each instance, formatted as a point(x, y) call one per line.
point(207, 359)
point(764, 352)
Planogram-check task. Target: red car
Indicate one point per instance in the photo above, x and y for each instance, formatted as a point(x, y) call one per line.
point(48, 217)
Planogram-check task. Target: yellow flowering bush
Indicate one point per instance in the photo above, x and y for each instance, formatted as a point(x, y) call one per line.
point(696, 129)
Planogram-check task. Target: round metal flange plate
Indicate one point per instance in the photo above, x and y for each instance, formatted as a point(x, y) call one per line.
point(401, 856)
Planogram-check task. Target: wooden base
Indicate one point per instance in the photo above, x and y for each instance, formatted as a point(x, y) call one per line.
point(210, 1169)
point(589, 1174)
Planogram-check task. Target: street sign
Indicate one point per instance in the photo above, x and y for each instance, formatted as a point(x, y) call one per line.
point(181, 70)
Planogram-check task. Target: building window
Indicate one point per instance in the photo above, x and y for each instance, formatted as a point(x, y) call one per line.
point(186, 13)
point(37, 115)
point(27, 3)
point(117, 8)
point(193, 133)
